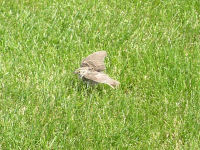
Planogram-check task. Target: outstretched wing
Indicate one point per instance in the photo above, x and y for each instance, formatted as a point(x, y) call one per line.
point(100, 77)
point(95, 60)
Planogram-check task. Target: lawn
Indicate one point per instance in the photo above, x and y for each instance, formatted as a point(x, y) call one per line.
point(153, 51)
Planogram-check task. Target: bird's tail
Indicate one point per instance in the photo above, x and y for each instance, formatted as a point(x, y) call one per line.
point(113, 83)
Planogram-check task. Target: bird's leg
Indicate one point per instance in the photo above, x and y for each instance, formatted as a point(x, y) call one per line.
point(87, 85)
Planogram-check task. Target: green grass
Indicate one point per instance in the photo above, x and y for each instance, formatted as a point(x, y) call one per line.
point(153, 50)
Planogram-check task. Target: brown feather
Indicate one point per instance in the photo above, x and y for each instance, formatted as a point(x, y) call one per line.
point(95, 60)
point(100, 77)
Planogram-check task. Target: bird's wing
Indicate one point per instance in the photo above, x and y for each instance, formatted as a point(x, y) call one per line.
point(95, 60)
point(100, 77)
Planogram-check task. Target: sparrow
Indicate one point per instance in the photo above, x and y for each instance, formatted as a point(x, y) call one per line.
point(92, 68)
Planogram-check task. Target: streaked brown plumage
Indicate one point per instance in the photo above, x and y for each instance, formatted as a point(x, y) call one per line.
point(92, 68)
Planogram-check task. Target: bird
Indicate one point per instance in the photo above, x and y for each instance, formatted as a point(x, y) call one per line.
point(91, 70)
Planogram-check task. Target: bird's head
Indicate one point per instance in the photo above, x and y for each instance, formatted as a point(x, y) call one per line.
point(82, 71)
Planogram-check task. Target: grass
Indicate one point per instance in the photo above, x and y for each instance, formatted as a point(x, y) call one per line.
point(153, 50)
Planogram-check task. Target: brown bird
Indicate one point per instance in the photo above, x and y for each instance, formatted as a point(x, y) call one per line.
point(92, 68)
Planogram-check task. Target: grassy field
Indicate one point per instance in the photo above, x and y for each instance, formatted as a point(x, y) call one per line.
point(153, 50)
